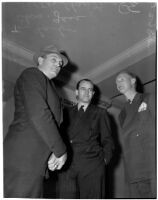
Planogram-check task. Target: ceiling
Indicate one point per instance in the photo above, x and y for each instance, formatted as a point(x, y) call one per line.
point(100, 39)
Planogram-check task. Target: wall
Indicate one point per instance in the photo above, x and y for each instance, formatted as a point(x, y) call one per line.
point(117, 188)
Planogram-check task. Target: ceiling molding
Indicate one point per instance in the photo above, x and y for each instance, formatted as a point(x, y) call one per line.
point(16, 53)
point(24, 57)
point(140, 50)
point(130, 56)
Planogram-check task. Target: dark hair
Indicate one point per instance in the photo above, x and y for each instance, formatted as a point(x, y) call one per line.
point(85, 79)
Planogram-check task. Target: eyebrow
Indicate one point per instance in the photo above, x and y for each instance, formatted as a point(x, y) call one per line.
point(86, 88)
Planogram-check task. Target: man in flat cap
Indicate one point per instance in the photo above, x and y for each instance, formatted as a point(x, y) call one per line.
point(33, 142)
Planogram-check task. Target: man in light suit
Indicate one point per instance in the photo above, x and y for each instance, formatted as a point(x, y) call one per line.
point(33, 140)
point(137, 120)
point(89, 145)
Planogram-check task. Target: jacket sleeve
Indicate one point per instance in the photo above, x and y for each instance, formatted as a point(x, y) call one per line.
point(152, 105)
point(33, 86)
point(106, 138)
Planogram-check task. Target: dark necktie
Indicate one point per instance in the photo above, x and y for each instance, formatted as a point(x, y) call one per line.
point(129, 101)
point(81, 109)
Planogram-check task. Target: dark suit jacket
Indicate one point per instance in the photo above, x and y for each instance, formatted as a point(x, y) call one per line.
point(138, 134)
point(34, 133)
point(89, 137)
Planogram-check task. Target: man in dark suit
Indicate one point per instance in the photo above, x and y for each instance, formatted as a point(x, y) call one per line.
point(33, 136)
point(137, 120)
point(89, 147)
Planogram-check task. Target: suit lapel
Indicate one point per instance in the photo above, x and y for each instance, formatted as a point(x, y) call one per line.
point(131, 110)
point(122, 116)
point(54, 101)
point(82, 120)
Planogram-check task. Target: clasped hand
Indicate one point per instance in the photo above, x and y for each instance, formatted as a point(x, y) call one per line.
point(55, 163)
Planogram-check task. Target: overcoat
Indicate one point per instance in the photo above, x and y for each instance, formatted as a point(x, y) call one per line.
point(34, 132)
point(138, 125)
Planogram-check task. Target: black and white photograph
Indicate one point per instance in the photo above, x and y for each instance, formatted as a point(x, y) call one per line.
point(79, 99)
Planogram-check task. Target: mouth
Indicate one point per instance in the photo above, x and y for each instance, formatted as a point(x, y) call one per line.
point(120, 88)
point(54, 72)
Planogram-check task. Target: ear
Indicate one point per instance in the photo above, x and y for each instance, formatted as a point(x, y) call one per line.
point(40, 60)
point(133, 81)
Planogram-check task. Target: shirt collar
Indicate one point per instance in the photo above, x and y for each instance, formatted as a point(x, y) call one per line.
point(131, 101)
point(84, 107)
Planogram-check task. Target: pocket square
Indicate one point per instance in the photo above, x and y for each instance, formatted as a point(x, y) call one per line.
point(142, 107)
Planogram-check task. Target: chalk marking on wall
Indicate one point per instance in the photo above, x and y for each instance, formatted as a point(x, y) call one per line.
point(62, 30)
point(126, 8)
point(152, 16)
point(26, 20)
point(43, 30)
point(151, 31)
point(53, 16)
point(60, 19)
point(15, 30)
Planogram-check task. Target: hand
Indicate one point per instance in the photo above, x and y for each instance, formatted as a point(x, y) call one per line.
point(62, 161)
point(56, 163)
point(52, 162)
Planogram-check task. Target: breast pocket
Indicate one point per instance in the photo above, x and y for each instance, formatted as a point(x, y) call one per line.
point(143, 117)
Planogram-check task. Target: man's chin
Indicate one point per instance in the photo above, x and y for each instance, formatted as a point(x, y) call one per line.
point(54, 74)
point(121, 91)
point(86, 101)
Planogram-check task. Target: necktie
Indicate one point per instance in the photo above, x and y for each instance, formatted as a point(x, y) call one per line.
point(129, 101)
point(81, 109)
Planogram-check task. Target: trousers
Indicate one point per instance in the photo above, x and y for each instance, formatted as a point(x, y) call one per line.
point(143, 189)
point(75, 183)
point(22, 184)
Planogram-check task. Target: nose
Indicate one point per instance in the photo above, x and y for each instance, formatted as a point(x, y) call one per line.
point(59, 64)
point(87, 92)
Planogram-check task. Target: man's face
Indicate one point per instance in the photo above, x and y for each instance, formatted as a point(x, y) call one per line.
point(124, 83)
point(52, 64)
point(85, 92)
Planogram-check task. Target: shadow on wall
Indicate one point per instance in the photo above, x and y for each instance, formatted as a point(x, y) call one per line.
point(115, 161)
point(8, 89)
point(65, 74)
point(116, 158)
point(8, 105)
point(139, 86)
